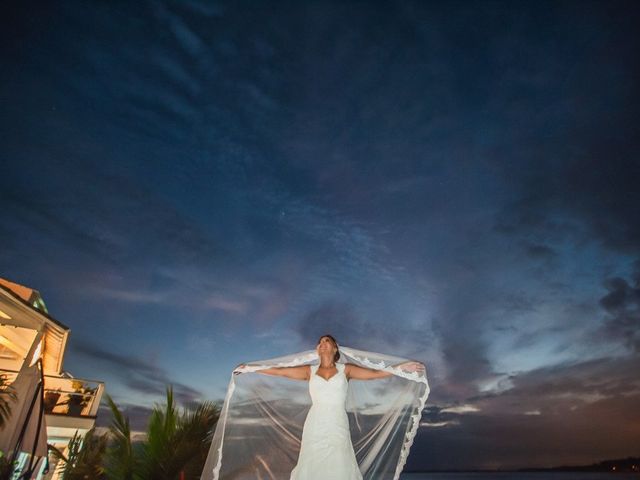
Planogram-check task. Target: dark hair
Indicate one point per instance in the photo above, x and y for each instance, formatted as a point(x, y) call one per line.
point(336, 357)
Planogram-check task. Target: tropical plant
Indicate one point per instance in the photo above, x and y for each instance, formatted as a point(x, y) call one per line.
point(121, 461)
point(51, 398)
point(6, 466)
point(79, 398)
point(84, 458)
point(159, 460)
point(195, 433)
point(7, 396)
point(176, 442)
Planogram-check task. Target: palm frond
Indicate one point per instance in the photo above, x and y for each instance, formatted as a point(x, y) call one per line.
point(159, 458)
point(194, 435)
point(121, 461)
point(7, 396)
point(90, 457)
point(176, 442)
point(85, 457)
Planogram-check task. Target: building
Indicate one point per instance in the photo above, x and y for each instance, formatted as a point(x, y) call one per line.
point(51, 405)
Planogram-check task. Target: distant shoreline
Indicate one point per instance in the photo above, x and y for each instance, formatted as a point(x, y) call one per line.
point(622, 465)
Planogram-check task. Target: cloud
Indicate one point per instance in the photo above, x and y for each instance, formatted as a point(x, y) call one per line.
point(553, 412)
point(117, 221)
point(439, 424)
point(138, 416)
point(552, 389)
point(588, 193)
point(335, 318)
point(138, 374)
point(622, 307)
point(130, 296)
point(339, 318)
point(460, 409)
point(220, 303)
point(187, 38)
point(454, 185)
point(539, 251)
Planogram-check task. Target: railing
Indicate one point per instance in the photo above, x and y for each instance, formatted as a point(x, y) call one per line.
point(71, 396)
point(67, 396)
point(9, 375)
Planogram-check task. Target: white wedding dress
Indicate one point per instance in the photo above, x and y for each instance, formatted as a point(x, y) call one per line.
point(268, 423)
point(326, 451)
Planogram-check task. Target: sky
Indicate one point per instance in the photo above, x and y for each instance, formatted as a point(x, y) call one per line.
point(192, 185)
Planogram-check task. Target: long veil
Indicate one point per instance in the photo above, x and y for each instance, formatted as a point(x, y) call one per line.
point(260, 426)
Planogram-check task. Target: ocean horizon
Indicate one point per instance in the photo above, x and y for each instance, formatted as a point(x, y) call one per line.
point(518, 476)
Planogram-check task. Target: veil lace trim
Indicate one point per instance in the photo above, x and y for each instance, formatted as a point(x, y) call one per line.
point(410, 397)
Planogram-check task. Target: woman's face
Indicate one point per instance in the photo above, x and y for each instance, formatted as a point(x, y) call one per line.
point(325, 345)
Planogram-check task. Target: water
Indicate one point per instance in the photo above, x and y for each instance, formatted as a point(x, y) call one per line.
point(521, 476)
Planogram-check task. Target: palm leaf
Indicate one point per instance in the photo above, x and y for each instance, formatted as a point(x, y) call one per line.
point(176, 442)
point(160, 461)
point(84, 458)
point(7, 396)
point(121, 460)
point(179, 441)
point(194, 435)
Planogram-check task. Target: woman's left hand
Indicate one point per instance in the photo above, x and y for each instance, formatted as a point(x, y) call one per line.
point(412, 367)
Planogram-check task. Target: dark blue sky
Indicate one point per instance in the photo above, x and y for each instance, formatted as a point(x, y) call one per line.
point(192, 185)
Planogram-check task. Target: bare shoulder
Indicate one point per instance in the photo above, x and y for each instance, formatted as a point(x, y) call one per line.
point(348, 368)
point(351, 370)
point(305, 371)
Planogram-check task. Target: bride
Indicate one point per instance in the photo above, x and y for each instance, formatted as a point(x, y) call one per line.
point(326, 451)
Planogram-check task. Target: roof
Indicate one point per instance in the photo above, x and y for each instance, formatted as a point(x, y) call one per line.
point(27, 296)
point(55, 332)
point(23, 292)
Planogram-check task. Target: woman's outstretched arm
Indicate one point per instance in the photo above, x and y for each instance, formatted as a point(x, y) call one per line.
point(363, 373)
point(295, 373)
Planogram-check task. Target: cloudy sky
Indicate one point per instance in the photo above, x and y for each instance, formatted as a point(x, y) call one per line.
point(191, 185)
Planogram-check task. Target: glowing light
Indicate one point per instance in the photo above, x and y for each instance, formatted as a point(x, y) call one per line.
point(36, 354)
point(4, 315)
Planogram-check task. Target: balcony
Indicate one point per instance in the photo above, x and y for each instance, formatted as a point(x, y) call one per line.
point(71, 405)
point(72, 396)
